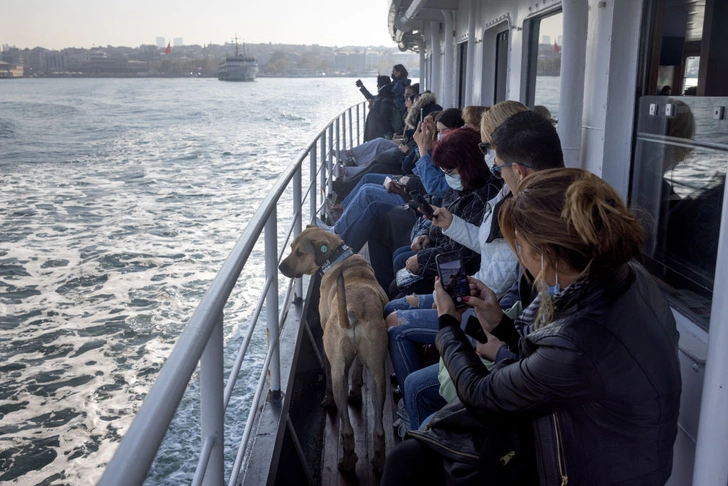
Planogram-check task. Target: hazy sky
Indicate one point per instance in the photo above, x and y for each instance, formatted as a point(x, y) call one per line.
point(55, 24)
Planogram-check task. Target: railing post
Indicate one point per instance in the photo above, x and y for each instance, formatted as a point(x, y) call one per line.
point(343, 132)
point(271, 303)
point(212, 408)
point(351, 130)
point(313, 159)
point(322, 163)
point(297, 206)
point(358, 125)
point(330, 158)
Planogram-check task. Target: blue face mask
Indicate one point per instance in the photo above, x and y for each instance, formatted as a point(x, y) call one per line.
point(490, 157)
point(453, 180)
point(552, 289)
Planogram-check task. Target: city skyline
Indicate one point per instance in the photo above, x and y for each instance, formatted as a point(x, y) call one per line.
point(86, 23)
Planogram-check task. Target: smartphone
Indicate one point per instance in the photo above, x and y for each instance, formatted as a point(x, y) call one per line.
point(452, 276)
point(475, 330)
point(422, 204)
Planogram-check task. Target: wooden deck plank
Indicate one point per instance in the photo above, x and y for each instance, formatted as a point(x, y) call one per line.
point(362, 420)
point(331, 451)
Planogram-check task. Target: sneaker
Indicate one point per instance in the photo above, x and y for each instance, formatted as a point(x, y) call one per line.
point(345, 157)
point(334, 210)
point(318, 222)
point(401, 427)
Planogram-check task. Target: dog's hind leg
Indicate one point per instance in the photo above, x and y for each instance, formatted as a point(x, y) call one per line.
point(339, 371)
point(328, 400)
point(356, 382)
point(375, 361)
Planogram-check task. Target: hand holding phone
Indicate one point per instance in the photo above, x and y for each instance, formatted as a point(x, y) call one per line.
point(452, 276)
point(358, 83)
point(422, 205)
point(475, 330)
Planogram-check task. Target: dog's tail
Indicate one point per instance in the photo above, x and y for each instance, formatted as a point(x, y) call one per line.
point(341, 302)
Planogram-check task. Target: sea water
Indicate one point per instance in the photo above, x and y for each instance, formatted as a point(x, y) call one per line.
point(120, 200)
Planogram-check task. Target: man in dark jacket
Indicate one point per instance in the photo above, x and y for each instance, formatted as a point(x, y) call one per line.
point(380, 120)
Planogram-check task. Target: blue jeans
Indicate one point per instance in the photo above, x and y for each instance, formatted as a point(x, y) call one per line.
point(405, 343)
point(366, 179)
point(365, 230)
point(424, 301)
point(415, 327)
point(399, 259)
point(422, 394)
point(357, 205)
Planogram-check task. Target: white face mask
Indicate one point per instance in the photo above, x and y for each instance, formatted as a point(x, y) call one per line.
point(490, 157)
point(453, 180)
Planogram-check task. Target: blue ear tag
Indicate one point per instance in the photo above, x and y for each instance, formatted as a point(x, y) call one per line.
point(324, 248)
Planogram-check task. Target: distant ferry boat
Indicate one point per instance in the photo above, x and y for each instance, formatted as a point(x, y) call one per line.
point(238, 67)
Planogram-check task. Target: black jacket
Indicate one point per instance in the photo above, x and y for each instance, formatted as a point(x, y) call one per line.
point(380, 122)
point(601, 383)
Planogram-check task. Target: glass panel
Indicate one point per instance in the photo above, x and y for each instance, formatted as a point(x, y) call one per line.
point(462, 65)
point(677, 186)
point(548, 66)
point(692, 64)
point(501, 65)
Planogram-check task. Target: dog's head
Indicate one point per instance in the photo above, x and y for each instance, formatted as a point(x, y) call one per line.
point(309, 251)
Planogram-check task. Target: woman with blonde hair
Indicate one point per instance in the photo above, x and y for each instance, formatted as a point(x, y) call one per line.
point(597, 373)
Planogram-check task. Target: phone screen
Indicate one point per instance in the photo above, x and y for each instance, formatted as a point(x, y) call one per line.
point(453, 277)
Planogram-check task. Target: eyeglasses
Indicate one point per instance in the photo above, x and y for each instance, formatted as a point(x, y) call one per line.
point(448, 171)
point(495, 169)
point(484, 147)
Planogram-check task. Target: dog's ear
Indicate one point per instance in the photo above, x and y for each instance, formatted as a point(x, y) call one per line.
point(311, 226)
point(321, 251)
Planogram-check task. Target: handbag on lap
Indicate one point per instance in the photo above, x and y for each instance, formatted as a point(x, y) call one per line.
point(498, 453)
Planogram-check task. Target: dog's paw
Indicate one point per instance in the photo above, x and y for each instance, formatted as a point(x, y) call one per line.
point(328, 402)
point(355, 397)
point(347, 464)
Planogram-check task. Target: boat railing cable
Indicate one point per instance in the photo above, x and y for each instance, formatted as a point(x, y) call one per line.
point(202, 338)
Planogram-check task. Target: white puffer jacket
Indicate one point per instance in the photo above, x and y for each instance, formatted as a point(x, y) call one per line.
point(498, 264)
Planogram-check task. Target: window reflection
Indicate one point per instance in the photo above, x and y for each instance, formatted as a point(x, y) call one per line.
point(678, 184)
point(549, 33)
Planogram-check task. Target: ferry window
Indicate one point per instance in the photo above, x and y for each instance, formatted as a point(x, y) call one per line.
point(681, 150)
point(690, 75)
point(501, 66)
point(545, 69)
point(462, 72)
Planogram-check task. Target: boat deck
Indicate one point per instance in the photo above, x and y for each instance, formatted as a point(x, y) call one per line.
point(362, 420)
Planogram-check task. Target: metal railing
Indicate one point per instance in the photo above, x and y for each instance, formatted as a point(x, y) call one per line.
point(202, 338)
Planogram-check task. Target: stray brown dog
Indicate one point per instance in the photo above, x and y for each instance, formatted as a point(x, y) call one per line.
point(351, 309)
